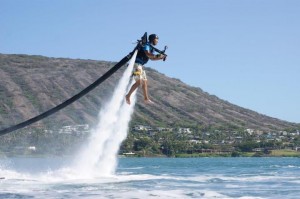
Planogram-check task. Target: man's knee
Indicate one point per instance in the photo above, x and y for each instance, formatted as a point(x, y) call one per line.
point(138, 82)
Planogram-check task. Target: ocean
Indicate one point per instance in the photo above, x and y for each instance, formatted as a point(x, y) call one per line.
point(53, 178)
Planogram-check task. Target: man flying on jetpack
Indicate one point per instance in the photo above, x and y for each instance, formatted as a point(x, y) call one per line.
point(146, 52)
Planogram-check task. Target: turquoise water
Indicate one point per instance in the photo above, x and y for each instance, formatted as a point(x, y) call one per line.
point(154, 178)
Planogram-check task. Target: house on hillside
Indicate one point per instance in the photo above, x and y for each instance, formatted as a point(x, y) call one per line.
point(184, 131)
point(76, 129)
point(142, 128)
point(250, 131)
point(163, 129)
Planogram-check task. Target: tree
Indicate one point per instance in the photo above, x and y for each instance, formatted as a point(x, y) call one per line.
point(247, 146)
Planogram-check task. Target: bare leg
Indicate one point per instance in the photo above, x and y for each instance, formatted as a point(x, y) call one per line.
point(145, 90)
point(132, 89)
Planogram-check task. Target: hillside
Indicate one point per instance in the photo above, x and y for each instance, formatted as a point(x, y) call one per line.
point(30, 85)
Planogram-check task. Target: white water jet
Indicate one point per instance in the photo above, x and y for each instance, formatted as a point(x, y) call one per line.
point(99, 157)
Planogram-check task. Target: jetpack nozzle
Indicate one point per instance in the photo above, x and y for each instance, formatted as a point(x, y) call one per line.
point(144, 39)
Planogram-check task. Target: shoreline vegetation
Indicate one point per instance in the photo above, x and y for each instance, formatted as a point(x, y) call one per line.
point(273, 153)
point(194, 144)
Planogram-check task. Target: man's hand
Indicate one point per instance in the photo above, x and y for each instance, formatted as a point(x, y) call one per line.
point(160, 56)
point(164, 57)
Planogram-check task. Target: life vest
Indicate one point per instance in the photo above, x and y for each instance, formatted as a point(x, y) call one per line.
point(141, 57)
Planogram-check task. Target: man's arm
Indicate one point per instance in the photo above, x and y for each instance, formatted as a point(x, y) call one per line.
point(154, 57)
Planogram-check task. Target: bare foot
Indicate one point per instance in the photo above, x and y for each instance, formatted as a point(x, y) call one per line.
point(148, 101)
point(127, 99)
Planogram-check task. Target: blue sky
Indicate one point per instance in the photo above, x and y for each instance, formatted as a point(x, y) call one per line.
point(246, 52)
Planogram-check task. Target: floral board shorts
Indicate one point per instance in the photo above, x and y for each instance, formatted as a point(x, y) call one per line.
point(139, 73)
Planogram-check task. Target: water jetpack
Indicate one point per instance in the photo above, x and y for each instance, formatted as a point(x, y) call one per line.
point(144, 40)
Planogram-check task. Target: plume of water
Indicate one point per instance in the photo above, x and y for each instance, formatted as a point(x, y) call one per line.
point(99, 157)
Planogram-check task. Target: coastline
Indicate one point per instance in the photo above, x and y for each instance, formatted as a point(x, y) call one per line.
point(273, 153)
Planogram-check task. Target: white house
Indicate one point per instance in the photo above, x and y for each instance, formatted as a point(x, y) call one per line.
point(184, 130)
